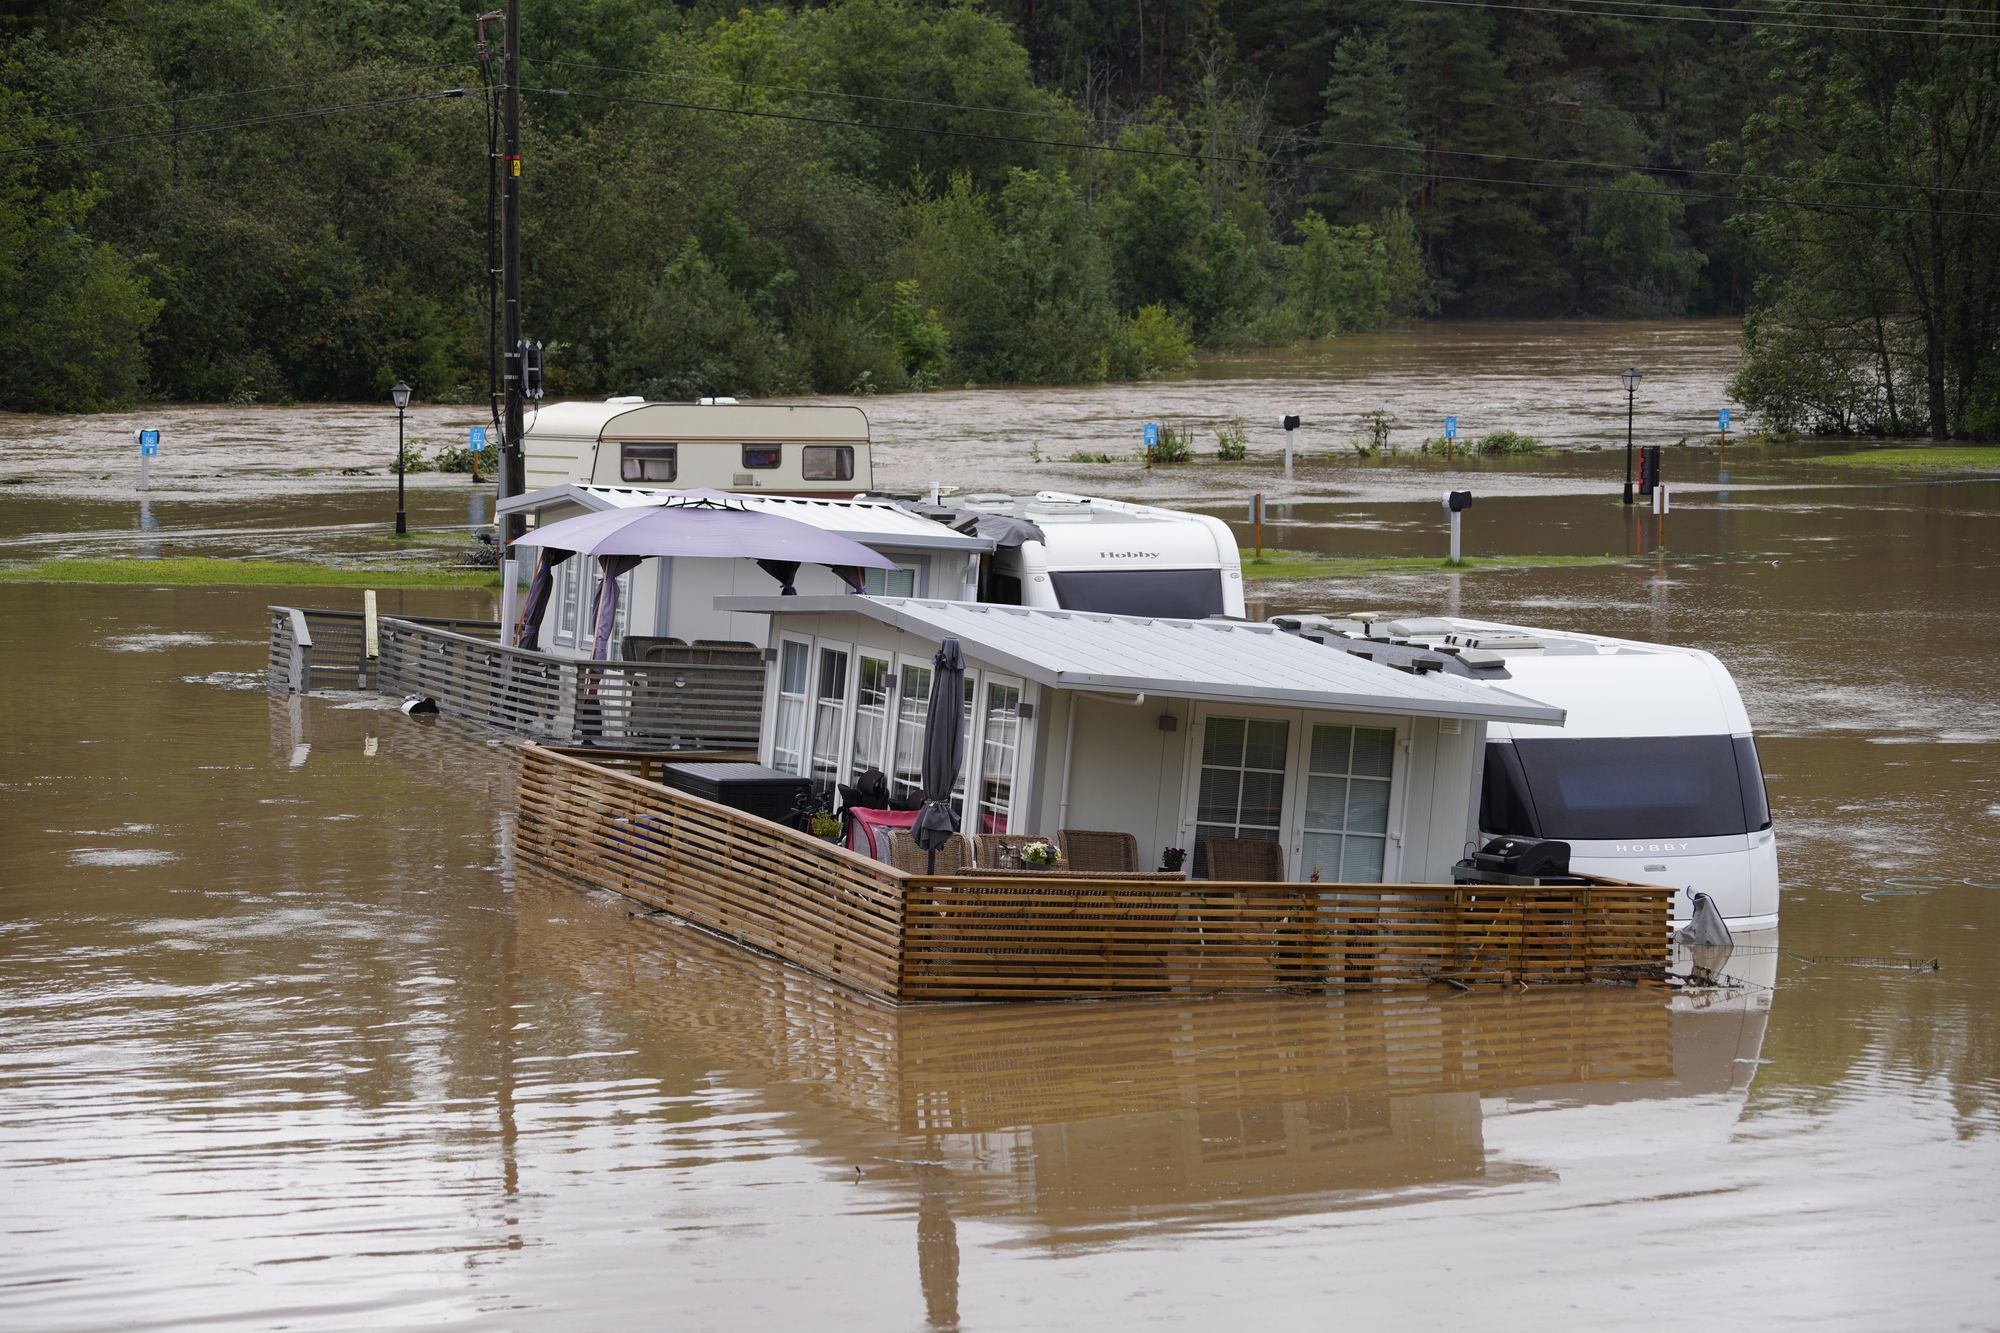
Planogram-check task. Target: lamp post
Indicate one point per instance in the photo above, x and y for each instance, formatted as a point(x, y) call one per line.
point(1631, 376)
point(400, 395)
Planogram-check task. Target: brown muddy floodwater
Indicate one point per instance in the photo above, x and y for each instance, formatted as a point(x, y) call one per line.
point(286, 1040)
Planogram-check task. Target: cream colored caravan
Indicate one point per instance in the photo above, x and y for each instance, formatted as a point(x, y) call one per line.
point(758, 448)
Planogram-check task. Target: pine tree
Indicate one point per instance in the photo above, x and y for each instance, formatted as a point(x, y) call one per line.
point(1367, 154)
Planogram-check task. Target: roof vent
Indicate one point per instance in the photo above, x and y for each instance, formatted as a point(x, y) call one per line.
point(625, 398)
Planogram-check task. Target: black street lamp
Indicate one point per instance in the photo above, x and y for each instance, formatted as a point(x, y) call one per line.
point(1631, 377)
point(400, 395)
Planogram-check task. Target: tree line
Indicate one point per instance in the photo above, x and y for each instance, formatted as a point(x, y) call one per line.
point(240, 201)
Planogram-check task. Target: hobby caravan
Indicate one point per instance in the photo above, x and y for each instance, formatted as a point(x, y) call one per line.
point(1653, 776)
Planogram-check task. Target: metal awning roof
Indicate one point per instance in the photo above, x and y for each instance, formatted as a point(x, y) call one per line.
point(1215, 660)
point(877, 523)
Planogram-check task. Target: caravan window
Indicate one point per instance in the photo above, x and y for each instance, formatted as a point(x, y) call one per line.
point(763, 456)
point(1629, 787)
point(827, 462)
point(648, 462)
point(1173, 594)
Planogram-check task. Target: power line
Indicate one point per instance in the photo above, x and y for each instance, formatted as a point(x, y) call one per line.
point(1694, 18)
point(308, 113)
point(1919, 18)
point(165, 103)
point(1136, 151)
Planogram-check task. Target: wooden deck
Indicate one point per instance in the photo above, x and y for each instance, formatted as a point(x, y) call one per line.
point(908, 937)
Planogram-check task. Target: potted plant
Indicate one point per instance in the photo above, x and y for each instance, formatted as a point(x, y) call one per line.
point(1040, 855)
point(1172, 858)
point(825, 824)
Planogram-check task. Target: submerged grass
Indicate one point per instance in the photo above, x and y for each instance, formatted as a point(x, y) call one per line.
point(1930, 458)
point(207, 571)
point(1305, 565)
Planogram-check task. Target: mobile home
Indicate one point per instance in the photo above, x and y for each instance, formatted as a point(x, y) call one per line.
point(1177, 732)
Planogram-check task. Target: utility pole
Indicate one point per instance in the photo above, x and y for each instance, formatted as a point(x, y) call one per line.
point(512, 457)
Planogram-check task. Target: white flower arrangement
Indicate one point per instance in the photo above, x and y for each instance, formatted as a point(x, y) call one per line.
point(1040, 854)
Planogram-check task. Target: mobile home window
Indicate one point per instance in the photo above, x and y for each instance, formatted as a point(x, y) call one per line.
point(889, 582)
point(913, 698)
point(828, 462)
point(788, 737)
point(569, 598)
point(648, 462)
point(764, 456)
point(829, 710)
point(1000, 748)
point(871, 713)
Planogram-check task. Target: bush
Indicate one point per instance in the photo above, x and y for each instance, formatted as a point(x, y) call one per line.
point(1507, 442)
point(1376, 426)
point(1176, 445)
point(1086, 456)
point(1160, 339)
point(1232, 442)
point(413, 455)
point(455, 458)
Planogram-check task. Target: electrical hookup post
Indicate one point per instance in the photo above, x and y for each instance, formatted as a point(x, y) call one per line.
point(1455, 504)
point(149, 449)
point(1291, 425)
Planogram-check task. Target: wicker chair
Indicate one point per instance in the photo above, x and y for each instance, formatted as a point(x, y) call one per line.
point(1089, 851)
point(998, 851)
point(1244, 859)
point(905, 855)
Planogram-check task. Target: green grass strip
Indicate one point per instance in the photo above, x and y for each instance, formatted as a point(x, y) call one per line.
point(205, 571)
point(1934, 458)
point(1305, 565)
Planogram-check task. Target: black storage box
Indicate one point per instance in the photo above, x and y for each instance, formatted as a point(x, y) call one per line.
point(1516, 861)
point(751, 788)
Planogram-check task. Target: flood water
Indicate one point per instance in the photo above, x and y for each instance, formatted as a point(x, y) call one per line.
point(288, 1040)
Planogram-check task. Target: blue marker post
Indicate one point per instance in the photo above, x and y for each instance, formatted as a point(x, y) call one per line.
point(1151, 435)
point(1722, 424)
point(1450, 434)
point(149, 449)
point(475, 442)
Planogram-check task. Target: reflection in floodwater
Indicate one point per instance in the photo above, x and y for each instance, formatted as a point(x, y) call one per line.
point(1096, 1123)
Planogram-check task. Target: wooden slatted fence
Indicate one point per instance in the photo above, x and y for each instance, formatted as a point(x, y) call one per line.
point(822, 907)
point(1048, 935)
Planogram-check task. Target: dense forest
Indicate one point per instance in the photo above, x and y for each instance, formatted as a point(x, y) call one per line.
point(242, 201)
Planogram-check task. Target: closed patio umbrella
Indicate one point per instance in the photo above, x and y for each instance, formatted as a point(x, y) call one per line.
point(944, 749)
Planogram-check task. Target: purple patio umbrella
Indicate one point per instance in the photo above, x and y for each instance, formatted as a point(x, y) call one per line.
point(703, 525)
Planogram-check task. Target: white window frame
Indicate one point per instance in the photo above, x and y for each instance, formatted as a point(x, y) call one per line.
point(1291, 818)
point(777, 695)
point(854, 708)
point(850, 678)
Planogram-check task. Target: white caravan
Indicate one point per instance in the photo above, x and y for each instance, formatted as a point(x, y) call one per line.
point(1085, 553)
point(755, 448)
point(1653, 777)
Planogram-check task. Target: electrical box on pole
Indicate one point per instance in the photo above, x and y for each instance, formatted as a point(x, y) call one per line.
point(1456, 503)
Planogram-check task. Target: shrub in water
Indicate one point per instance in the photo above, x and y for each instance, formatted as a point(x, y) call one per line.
point(1232, 442)
point(1507, 442)
point(1176, 445)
